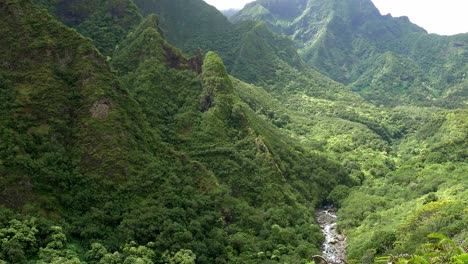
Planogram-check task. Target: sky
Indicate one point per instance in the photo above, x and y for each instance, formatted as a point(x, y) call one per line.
point(444, 17)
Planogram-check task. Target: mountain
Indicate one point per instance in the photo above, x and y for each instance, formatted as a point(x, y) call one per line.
point(189, 25)
point(118, 147)
point(250, 51)
point(154, 152)
point(265, 172)
point(328, 116)
point(79, 160)
point(348, 39)
point(105, 22)
point(65, 114)
point(229, 12)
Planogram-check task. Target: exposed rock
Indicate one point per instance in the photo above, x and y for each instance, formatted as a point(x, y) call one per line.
point(100, 109)
point(196, 62)
point(333, 249)
point(261, 147)
point(206, 101)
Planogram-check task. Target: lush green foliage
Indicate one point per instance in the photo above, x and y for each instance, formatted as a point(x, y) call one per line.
point(389, 61)
point(441, 250)
point(249, 157)
point(76, 148)
point(148, 156)
point(105, 22)
point(426, 194)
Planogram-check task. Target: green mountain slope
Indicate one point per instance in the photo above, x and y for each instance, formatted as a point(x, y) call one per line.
point(186, 170)
point(426, 194)
point(266, 174)
point(149, 156)
point(76, 151)
point(190, 24)
point(347, 39)
point(64, 114)
point(250, 50)
point(105, 22)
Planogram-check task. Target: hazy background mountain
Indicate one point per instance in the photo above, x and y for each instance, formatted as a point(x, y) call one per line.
point(229, 12)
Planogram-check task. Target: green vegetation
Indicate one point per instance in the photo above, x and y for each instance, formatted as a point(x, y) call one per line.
point(192, 174)
point(441, 250)
point(115, 147)
point(425, 194)
point(389, 61)
point(266, 176)
point(105, 22)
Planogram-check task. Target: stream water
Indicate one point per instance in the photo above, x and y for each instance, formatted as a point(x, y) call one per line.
point(334, 247)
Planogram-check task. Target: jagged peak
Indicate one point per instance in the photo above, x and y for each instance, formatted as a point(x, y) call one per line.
point(148, 42)
point(213, 67)
point(215, 81)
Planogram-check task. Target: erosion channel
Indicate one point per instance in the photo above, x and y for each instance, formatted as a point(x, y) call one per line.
point(334, 247)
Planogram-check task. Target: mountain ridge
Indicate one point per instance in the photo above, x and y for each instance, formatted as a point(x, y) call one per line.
point(339, 38)
point(119, 148)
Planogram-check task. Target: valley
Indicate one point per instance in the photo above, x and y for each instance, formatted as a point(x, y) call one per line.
point(160, 131)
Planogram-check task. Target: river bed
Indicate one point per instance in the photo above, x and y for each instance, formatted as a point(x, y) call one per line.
point(334, 247)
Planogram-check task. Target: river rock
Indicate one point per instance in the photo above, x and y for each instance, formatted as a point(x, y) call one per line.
point(334, 247)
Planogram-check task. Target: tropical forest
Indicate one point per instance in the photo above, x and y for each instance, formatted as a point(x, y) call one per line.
point(294, 131)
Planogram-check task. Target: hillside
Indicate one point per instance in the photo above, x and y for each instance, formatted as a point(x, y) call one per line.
point(250, 51)
point(155, 131)
point(105, 22)
point(263, 171)
point(64, 114)
point(154, 160)
point(347, 40)
point(75, 148)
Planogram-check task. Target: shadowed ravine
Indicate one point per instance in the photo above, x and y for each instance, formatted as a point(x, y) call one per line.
point(334, 247)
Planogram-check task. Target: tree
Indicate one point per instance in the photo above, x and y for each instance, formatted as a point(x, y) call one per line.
point(183, 256)
point(18, 240)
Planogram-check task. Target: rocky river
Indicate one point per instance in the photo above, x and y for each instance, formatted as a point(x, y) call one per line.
point(334, 247)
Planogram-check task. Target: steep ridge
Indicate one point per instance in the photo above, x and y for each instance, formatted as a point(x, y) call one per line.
point(65, 114)
point(250, 51)
point(77, 152)
point(187, 170)
point(162, 158)
point(344, 40)
point(337, 122)
point(189, 25)
point(266, 174)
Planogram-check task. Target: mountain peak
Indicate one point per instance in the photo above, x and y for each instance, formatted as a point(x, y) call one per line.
point(343, 39)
